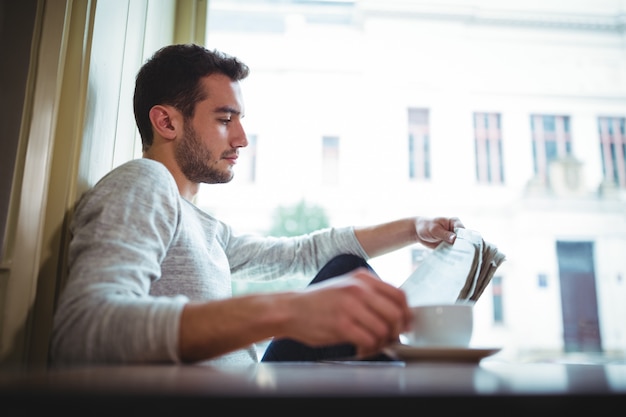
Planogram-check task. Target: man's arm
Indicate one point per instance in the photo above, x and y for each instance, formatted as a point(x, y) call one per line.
point(387, 237)
point(357, 308)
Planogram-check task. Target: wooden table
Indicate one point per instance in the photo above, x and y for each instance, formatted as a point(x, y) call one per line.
point(494, 388)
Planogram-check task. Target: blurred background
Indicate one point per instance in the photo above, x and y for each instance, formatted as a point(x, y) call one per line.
point(508, 114)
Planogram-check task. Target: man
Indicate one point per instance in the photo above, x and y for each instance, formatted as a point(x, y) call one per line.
point(150, 273)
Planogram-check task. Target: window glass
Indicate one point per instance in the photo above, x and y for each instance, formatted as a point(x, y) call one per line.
point(330, 160)
point(551, 140)
point(366, 111)
point(419, 146)
point(488, 145)
point(613, 149)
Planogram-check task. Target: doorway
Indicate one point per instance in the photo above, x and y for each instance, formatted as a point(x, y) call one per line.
point(579, 302)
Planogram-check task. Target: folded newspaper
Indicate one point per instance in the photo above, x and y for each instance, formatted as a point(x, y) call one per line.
point(457, 272)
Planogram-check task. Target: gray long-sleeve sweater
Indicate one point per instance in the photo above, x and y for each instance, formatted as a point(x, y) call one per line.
point(139, 252)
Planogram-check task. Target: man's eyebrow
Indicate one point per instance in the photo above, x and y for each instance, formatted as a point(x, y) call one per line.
point(227, 109)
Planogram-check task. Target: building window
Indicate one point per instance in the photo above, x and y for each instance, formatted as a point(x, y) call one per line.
point(542, 280)
point(488, 148)
point(330, 160)
point(551, 140)
point(419, 144)
point(496, 293)
point(246, 167)
point(613, 149)
point(418, 256)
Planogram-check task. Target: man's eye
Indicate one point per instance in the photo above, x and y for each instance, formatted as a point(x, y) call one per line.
point(225, 121)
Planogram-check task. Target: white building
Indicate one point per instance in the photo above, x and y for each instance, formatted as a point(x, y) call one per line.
point(494, 111)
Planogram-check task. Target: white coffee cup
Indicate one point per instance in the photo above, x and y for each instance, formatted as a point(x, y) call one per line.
point(441, 325)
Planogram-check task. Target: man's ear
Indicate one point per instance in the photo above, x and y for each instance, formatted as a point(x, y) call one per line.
point(164, 121)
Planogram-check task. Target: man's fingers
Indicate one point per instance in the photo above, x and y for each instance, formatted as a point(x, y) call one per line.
point(385, 313)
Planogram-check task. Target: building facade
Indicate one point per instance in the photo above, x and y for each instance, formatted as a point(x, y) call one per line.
point(510, 115)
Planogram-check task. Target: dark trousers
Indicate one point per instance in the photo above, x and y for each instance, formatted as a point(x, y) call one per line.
point(287, 350)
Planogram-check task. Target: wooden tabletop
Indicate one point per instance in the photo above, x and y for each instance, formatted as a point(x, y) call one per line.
point(360, 385)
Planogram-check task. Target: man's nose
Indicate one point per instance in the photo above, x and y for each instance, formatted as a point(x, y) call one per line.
point(240, 139)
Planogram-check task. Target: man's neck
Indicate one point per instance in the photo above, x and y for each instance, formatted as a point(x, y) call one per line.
point(187, 189)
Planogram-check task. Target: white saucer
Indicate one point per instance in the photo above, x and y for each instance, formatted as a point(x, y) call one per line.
point(409, 353)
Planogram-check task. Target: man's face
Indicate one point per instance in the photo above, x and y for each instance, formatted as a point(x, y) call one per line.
point(210, 146)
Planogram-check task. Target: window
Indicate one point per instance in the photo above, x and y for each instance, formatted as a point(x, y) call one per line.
point(551, 141)
point(418, 256)
point(488, 148)
point(246, 169)
point(542, 280)
point(613, 149)
point(419, 144)
point(496, 294)
point(330, 160)
point(353, 99)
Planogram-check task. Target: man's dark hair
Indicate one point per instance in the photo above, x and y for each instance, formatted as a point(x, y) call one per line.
point(172, 77)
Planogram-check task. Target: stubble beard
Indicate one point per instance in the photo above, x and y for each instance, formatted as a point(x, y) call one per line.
point(194, 160)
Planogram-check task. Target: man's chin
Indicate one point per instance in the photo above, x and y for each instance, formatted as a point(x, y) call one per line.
point(219, 180)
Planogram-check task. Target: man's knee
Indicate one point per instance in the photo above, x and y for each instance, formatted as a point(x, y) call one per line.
point(339, 265)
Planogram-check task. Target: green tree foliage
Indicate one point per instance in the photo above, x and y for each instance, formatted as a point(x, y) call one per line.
point(298, 219)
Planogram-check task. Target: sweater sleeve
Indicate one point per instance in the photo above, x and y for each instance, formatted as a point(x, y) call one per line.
point(120, 233)
point(267, 258)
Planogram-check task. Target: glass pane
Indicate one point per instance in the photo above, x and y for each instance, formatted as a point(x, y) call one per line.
point(406, 86)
